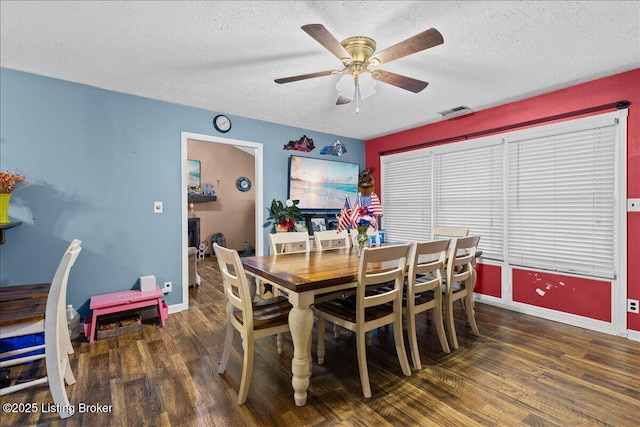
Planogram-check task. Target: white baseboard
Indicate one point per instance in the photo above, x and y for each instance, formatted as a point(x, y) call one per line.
point(633, 335)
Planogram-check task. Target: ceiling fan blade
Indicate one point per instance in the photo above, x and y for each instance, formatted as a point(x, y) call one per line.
point(306, 76)
point(422, 41)
point(400, 81)
point(342, 100)
point(326, 39)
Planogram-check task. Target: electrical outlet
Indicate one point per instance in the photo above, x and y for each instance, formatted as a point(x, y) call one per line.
point(632, 306)
point(167, 287)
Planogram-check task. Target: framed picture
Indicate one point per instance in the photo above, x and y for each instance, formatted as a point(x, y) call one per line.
point(318, 224)
point(193, 173)
point(301, 225)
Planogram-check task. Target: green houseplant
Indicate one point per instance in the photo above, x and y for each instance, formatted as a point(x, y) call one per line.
point(284, 215)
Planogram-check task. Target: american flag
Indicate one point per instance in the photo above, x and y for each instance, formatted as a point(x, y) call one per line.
point(372, 202)
point(345, 215)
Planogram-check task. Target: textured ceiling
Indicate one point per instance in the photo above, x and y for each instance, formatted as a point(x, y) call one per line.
point(224, 56)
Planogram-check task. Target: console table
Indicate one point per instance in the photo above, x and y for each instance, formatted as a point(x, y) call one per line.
point(122, 301)
point(5, 226)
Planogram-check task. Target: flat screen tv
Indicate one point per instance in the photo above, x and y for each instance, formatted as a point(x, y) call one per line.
point(322, 184)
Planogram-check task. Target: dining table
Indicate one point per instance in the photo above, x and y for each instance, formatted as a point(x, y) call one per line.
point(303, 277)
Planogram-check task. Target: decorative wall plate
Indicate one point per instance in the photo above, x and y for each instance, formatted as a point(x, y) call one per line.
point(243, 184)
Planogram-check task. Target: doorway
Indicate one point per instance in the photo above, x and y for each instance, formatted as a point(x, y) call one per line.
point(254, 148)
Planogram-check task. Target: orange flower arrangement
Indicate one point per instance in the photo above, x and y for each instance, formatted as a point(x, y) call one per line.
point(10, 181)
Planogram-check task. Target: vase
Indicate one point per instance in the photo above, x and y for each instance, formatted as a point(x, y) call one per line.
point(362, 237)
point(4, 208)
point(282, 228)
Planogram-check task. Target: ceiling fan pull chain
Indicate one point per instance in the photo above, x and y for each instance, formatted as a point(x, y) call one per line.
point(356, 96)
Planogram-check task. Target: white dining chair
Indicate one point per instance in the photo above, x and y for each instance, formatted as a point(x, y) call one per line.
point(370, 310)
point(424, 291)
point(253, 320)
point(291, 242)
point(460, 281)
point(331, 239)
point(57, 345)
point(449, 232)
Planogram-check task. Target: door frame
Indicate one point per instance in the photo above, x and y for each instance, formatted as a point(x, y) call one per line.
point(259, 202)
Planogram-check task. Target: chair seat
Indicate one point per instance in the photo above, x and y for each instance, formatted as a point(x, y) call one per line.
point(268, 313)
point(346, 309)
point(457, 287)
point(421, 298)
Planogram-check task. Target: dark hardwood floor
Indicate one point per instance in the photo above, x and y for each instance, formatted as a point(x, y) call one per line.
point(521, 371)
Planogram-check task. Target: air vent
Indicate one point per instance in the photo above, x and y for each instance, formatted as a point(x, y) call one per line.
point(455, 112)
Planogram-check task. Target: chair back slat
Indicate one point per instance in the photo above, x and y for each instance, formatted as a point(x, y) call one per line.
point(451, 232)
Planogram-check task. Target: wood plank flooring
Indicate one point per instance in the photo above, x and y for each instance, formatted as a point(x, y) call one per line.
point(521, 371)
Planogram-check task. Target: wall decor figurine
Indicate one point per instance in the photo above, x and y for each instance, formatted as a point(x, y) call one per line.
point(303, 144)
point(337, 149)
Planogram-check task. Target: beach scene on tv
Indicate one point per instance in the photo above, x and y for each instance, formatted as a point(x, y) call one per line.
point(322, 184)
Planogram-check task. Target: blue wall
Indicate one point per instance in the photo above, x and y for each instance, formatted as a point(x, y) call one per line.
point(98, 160)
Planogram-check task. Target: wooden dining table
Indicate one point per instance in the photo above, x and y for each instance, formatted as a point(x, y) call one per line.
point(303, 276)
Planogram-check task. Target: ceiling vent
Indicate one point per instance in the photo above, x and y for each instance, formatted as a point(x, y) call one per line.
point(455, 112)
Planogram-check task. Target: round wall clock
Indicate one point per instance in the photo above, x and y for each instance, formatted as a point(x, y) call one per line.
point(243, 184)
point(222, 123)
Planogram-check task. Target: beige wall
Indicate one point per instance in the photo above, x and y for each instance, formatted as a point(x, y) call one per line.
point(233, 214)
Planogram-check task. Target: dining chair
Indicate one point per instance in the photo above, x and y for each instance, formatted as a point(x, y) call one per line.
point(424, 291)
point(451, 232)
point(291, 242)
point(371, 232)
point(371, 308)
point(57, 345)
point(459, 283)
point(253, 320)
point(331, 239)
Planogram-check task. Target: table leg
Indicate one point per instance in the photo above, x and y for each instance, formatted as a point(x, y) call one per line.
point(94, 322)
point(159, 303)
point(301, 325)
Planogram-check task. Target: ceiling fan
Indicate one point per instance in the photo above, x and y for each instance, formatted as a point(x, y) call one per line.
point(358, 54)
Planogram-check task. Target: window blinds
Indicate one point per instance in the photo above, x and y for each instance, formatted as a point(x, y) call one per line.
point(561, 202)
point(468, 187)
point(542, 197)
point(406, 197)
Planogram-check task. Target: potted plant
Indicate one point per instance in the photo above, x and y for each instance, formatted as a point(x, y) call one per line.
point(284, 215)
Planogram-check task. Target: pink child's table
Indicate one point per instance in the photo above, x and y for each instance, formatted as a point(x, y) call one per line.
point(123, 301)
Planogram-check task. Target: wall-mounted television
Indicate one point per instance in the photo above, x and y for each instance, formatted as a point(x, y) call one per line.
point(322, 184)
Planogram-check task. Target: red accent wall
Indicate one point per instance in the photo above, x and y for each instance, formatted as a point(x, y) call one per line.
point(623, 86)
point(489, 280)
point(588, 298)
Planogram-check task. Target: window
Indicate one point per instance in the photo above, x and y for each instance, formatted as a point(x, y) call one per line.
point(468, 187)
point(406, 197)
point(543, 197)
point(561, 193)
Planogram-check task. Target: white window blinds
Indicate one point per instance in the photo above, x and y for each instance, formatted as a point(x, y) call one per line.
point(468, 186)
point(561, 201)
point(406, 197)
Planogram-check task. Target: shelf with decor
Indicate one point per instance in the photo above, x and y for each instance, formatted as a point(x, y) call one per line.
point(199, 198)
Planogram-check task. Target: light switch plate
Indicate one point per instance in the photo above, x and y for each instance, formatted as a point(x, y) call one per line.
point(157, 207)
point(633, 205)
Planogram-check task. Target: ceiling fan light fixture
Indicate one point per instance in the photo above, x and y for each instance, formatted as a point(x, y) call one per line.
point(347, 85)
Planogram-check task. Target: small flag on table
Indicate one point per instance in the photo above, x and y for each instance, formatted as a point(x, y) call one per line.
point(345, 215)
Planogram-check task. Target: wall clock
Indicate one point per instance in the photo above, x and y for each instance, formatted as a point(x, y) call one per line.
point(243, 184)
point(222, 123)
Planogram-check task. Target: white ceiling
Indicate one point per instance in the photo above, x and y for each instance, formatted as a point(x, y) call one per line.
point(223, 56)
